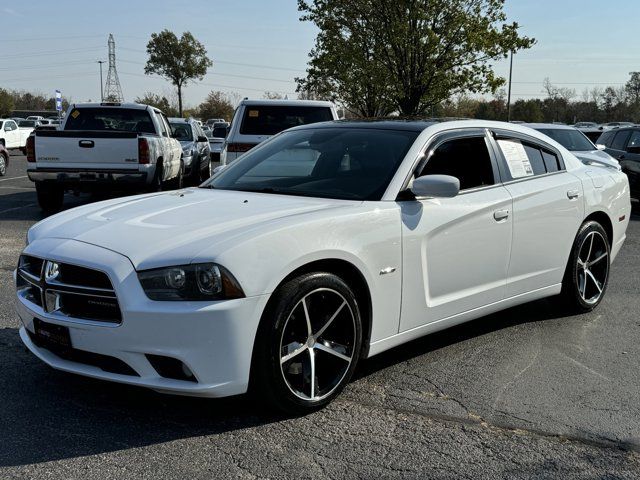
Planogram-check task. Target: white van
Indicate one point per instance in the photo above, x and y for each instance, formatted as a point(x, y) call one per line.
point(256, 120)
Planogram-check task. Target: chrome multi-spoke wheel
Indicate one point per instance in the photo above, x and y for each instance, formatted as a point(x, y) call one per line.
point(3, 165)
point(587, 274)
point(308, 343)
point(593, 267)
point(317, 344)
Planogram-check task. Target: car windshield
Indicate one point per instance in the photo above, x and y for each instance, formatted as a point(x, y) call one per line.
point(572, 140)
point(109, 118)
point(272, 119)
point(27, 123)
point(181, 131)
point(341, 163)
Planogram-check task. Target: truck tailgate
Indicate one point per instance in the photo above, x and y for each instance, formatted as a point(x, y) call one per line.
point(90, 150)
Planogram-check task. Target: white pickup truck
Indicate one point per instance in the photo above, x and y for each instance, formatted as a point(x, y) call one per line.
point(104, 145)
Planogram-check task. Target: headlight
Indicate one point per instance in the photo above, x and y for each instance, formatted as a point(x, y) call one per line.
point(201, 281)
point(188, 150)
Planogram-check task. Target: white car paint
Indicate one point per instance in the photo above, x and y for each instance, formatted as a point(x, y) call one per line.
point(428, 263)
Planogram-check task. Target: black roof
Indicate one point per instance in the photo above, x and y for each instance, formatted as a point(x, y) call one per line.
point(414, 125)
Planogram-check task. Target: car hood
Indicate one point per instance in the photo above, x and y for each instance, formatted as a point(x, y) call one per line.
point(598, 157)
point(174, 227)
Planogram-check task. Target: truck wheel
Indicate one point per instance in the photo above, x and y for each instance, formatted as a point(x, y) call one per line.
point(157, 183)
point(178, 182)
point(50, 197)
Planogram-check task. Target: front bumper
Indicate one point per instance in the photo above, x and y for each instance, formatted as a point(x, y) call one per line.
point(213, 339)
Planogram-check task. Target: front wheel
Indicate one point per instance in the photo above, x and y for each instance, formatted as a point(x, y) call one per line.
point(587, 274)
point(308, 343)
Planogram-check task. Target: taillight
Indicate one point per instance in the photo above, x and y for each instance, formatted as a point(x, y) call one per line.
point(240, 147)
point(143, 151)
point(31, 148)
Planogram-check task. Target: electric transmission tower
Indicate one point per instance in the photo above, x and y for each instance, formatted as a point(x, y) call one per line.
point(112, 89)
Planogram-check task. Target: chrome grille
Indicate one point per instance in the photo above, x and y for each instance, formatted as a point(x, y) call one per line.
point(68, 290)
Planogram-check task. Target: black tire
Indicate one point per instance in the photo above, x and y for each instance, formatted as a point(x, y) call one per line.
point(178, 182)
point(50, 197)
point(194, 175)
point(4, 163)
point(157, 183)
point(287, 384)
point(587, 273)
point(205, 173)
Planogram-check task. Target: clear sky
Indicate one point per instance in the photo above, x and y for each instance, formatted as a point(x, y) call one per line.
point(260, 45)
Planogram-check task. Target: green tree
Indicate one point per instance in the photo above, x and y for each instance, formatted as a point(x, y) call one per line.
point(6, 103)
point(178, 60)
point(632, 88)
point(159, 101)
point(407, 55)
point(527, 111)
point(216, 105)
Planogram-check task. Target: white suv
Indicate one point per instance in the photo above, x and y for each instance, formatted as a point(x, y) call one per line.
point(256, 120)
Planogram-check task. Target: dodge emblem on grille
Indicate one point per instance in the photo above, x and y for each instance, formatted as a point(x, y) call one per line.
point(51, 271)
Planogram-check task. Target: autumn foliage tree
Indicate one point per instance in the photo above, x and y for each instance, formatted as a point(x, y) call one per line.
point(216, 105)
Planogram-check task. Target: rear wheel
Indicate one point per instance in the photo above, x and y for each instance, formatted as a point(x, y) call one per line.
point(157, 182)
point(50, 197)
point(178, 182)
point(587, 274)
point(308, 343)
point(4, 160)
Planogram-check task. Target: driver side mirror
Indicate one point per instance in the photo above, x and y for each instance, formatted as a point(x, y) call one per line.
point(600, 146)
point(202, 138)
point(442, 186)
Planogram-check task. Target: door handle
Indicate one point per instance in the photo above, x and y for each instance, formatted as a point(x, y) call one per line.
point(573, 194)
point(500, 215)
point(621, 157)
point(86, 144)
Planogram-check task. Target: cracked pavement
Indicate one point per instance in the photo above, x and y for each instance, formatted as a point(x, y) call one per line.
point(524, 393)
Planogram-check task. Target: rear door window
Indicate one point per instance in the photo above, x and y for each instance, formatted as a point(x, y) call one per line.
point(620, 140)
point(634, 141)
point(527, 159)
point(272, 119)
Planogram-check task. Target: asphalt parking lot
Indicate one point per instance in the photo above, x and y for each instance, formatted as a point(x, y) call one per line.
point(525, 393)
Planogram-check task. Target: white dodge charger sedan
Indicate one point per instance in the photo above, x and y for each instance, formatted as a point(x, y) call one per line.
point(325, 245)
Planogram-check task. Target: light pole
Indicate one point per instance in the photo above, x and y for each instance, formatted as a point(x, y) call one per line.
point(101, 92)
point(509, 94)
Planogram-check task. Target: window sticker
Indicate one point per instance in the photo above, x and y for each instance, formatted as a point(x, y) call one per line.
point(75, 114)
point(516, 156)
point(253, 113)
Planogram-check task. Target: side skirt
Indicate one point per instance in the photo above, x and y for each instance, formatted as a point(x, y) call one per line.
point(404, 337)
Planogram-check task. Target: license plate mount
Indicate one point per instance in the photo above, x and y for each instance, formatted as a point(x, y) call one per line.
point(50, 334)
